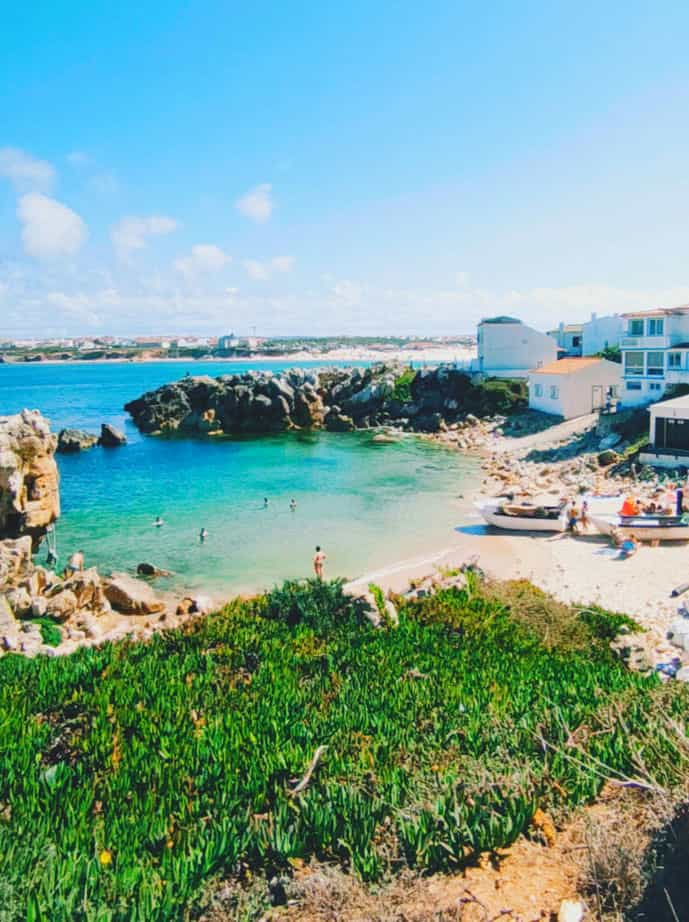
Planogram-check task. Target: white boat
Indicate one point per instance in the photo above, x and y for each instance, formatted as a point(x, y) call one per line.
point(523, 516)
point(644, 527)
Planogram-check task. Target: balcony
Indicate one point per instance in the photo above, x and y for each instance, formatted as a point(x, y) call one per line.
point(645, 342)
point(677, 376)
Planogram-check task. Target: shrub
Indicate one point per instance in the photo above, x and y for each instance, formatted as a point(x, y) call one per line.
point(402, 389)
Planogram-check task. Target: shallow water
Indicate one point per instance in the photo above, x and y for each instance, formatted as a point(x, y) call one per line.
point(366, 504)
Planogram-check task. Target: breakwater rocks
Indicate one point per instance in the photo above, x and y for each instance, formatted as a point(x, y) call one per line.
point(29, 493)
point(337, 399)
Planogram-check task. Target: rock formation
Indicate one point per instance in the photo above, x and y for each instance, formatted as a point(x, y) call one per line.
point(338, 399)
point(29, 494)
point(110, 437)
point(70, 441)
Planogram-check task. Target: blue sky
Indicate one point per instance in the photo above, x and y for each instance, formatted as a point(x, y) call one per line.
point(339, 168)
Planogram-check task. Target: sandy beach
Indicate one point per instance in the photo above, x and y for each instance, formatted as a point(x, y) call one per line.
point(578, 570)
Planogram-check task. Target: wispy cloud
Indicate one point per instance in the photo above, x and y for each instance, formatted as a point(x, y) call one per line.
point(131, 233)
point(204, 257)
point(261, 271)
point(49, 229)
point(78, 158)
point(257, 203)
point(23, 170)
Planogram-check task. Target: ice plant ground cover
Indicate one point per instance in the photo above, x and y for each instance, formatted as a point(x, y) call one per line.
point(132, 775)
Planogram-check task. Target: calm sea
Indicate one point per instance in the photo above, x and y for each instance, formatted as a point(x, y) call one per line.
point(368, 505)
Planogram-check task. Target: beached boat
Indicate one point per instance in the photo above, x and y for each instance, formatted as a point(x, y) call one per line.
point(523, 516)
point(644, 527)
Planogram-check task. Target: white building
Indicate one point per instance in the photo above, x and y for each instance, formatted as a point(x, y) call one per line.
point(568, 337)
point(600, 333)
point(655, 353)
point(575, 386)
point(227, 342)
point(508, 348)
point(668, 434)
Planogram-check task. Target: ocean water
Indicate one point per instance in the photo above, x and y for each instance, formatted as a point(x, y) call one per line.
point(368, 505)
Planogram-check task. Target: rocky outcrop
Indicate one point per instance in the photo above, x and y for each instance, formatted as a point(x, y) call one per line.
point(29, 494)
point(110, 437)
point(131, 596)
point(338, 399)
point(70, 441)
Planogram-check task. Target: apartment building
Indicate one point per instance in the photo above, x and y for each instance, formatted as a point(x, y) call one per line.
point(508, 348)
point(655, 353)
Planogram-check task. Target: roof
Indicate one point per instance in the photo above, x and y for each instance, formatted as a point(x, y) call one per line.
point(501, 319)
point(660, 311)
point(676, 402)
point(567, 366)
point(568, 328)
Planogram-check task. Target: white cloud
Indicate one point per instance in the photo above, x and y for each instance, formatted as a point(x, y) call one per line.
point(49, 228)
point(257, 203)
point(261, 271)
point(130, 233)
point(204, 257)
point(78, 158)
point(24, 170)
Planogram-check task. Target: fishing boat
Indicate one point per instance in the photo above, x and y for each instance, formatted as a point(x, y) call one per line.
point(524, 516)
point(644, 527)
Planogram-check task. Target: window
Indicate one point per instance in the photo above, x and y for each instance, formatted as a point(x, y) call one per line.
point(635, 328)
point(655, 363)
point(576, 341)
point(674, 360)
point(554, 392)
point(654, 386)
point(633, 385)
point(538, 390)
point(654, 326)
point(633, 363)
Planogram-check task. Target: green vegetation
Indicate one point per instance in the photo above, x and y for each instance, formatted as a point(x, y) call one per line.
point(131, 775)
point(50, 632)
point(611, 353)
point(402, 389)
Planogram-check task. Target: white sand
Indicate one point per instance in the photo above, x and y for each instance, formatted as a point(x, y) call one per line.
point(576, 570)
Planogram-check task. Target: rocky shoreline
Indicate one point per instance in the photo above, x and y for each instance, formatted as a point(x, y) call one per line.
point(335, 399)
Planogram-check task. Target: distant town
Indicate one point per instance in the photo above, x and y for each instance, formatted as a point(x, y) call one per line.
point(227, 346)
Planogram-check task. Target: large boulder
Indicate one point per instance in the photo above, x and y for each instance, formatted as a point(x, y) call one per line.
point(88, 589)
point(9, 629)
point(131, 596)
point(110, 437)
point(15, 560)
point(29, 493)
point(70, 441)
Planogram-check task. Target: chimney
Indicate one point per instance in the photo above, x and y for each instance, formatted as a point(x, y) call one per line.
point(594, 316)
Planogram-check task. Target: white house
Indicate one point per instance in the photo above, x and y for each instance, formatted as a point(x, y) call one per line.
point(668, 434)
point(575, 386)
point(508, 348)
point(655, 353)
point(568, 337)
point(599, 333)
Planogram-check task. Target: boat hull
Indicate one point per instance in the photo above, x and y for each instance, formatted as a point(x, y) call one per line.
point(494, 517)
point(650, 530)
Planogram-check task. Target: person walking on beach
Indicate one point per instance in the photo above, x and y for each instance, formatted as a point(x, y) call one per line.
point(318, 562)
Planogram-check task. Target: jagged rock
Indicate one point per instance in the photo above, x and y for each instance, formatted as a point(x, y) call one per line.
point(635, 650)
point(15, 560)
point(39, 606)
point(88, 589)
point(61, 605)
point(110, 437)
point(29, 496)
point(9, 629)
point(19, 600)
point(70, 441)
point(607, 457)
point(338, 422)
point(131, 596)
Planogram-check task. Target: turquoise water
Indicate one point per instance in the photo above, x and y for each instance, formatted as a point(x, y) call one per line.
point(368, 505)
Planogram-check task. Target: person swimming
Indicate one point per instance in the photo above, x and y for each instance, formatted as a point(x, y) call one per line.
point(293, 504)
point(158, 522)
point(265, 502)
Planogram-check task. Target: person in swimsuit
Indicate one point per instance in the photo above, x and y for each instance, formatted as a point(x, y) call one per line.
point(158, 522)
point(75, 563)
point(318, 562)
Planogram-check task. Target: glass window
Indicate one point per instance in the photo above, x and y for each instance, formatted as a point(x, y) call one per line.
point(674, 360)
point(633, 363)
point(576, 341)
point(654, 327)
point(633, 385)
point(654, 386)
point(554, 391)
point(635, 328)
point(655, 363)
point(538, 390)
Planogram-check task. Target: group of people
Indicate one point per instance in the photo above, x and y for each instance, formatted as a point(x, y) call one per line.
point(663, 502)
point(292, 503)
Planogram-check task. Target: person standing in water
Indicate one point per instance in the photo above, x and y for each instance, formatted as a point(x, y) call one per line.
point(293, 504)
point(318, 562)
point(158, 522)
point(203, 534)
point(265, 502)
point(75, 563)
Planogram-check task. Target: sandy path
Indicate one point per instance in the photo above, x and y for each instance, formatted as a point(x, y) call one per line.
point(548, 438)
